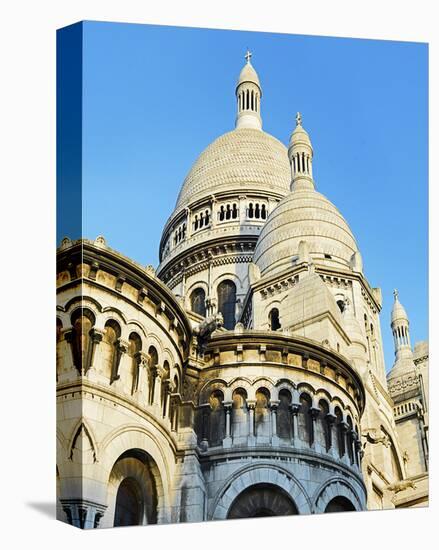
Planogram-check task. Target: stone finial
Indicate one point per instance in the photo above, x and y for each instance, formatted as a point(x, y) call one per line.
point(100, 241)
point(395, 294)
point(66, 243)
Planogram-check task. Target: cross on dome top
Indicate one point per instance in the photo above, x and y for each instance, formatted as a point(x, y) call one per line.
point(395, 294)
point(248, 55)
point(298, 119)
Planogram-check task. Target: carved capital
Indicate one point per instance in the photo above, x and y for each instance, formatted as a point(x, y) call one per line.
point(142, 359)
point(251, 405)
point(96, 335)
point(122, 345)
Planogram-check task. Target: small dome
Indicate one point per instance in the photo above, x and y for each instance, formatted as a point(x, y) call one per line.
point(248, 74)
point(304, 215)
point(299, 136)
point(241, 160)
point(398, 311)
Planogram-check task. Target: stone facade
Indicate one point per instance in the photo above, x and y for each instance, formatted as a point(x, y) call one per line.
point(245, 377)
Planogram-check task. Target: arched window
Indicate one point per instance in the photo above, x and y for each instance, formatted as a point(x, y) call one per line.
point(274, 319)
point(350, 440)
point(198, 301)
point(341, 304)
point(304, 419)
point(250, 210)
point(83, 321)
point(110, 354)
point(234, 212)
point(340, 431)
point(323, 435)
point(221, 213)
point(257, 211)
point(154, 361)
point(217, 418)
point(284, 421)
point(134, 346)
point(262, 413)
point(263, 212)
point(227, 303)
point(228, 212)
point(165, 385)
point(239, 416)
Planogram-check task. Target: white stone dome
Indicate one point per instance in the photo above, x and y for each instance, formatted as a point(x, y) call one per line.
point(304, 215)
point(248, 74)
point(242, 160)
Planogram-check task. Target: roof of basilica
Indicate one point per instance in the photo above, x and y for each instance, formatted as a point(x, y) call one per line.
point(243, 159)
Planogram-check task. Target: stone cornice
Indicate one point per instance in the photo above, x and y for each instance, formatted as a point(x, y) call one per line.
point(308, 349)
point(230, 246)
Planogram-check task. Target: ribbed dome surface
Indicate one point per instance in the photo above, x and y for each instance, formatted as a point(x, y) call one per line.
point(240, 160)
point(303, 215)
point(398, 312)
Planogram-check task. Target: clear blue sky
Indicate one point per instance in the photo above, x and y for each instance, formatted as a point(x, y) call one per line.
point(155, 97)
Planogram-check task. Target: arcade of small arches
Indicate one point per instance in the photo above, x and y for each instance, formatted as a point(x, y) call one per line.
point(238, 413)
point(254, 209)
point(152, 374)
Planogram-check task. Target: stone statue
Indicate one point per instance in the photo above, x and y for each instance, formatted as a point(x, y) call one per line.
point(371, 437)
point(204, 330)
point(399, 486)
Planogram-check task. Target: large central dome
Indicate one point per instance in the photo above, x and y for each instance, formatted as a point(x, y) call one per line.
point(245, 158)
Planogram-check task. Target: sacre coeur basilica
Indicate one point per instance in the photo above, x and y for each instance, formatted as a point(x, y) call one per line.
point(245, 376)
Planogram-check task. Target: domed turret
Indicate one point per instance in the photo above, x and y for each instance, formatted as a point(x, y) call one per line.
point(401, 338)
point(248, 95)
point(304, 215)
point(300, 153)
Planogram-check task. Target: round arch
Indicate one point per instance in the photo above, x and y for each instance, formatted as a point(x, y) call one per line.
point(132, 437)
point(260, 474)
point(337, 487)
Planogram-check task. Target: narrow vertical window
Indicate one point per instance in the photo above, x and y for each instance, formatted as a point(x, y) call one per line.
point(227, 303)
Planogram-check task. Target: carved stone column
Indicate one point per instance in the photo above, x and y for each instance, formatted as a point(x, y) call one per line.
point(295, 407)
point(356, 447)
point(251, 421)
point(141, 379)
point(274, 437)
point(344, 426)
point(157, 373)
point(169, 387)
point(96, 336)
point(330, 419)
point(121, 347)
point(314, 413)
point(227, 442)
